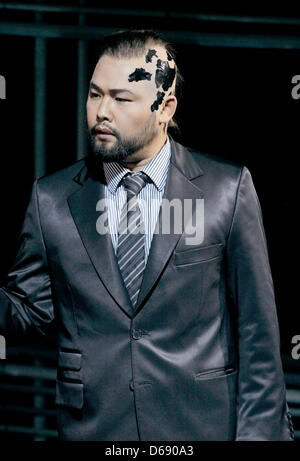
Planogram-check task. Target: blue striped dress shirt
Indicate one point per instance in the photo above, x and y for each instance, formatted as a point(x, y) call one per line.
point(149, 197)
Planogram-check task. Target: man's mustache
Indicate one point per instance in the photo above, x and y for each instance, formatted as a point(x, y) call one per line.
point(97, 127)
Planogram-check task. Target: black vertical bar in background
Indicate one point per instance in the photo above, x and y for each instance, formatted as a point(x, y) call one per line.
point(39, 103)
point(81, 90)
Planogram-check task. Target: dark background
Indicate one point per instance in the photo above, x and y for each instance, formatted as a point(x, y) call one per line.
point(236, 104)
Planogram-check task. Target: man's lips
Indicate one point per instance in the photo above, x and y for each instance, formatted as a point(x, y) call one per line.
point(104, 133)
point(103, 130)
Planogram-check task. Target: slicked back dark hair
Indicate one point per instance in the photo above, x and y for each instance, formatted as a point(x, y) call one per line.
point(134, 43)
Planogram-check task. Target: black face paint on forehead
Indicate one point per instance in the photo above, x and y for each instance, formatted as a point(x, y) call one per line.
point(150, 55)
point(164, 74)
point(139, 74)
point(158, 101)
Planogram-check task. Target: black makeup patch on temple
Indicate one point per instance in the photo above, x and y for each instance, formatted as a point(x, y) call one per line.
point(150, 55)
point(139, 74)
point(164, 75)
point(159, 100)
point(169, 57)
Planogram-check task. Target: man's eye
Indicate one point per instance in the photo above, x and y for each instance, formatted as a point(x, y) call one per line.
point(123, 100)
point(94, 95)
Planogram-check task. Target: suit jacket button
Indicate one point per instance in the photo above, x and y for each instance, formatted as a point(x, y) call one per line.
point(137, 334)
point(131, 385)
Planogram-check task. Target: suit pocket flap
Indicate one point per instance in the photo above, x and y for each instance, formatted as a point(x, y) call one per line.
point(69, 394)
point(215, 373)
point(69, 360)
point(198, 254)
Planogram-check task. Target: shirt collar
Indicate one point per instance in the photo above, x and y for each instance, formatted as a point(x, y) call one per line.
point(156, 169)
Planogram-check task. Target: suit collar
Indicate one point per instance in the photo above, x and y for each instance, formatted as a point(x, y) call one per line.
point(156, 169)
point(184, 161)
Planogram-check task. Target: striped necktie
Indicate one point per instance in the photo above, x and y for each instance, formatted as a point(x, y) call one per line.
point(131, 237)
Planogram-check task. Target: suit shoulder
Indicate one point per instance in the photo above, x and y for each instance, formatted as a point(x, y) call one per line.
point(215, 164)
point(62, 180)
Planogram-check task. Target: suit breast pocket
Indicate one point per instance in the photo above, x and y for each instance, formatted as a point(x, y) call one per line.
point(69, 386)
point(198, 254)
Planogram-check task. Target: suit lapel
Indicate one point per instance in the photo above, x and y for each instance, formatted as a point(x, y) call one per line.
point(183, 168)
point(82, 203)
point(99, 247)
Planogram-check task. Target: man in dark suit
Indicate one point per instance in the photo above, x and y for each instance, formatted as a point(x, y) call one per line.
point(163, 333)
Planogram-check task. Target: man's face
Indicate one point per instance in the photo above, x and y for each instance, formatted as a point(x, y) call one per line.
point(123, 107)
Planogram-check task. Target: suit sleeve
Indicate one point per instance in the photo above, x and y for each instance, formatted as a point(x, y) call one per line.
point(25, 300)
point(262, 409)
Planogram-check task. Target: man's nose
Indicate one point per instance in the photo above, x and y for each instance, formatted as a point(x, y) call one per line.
point(104, 110)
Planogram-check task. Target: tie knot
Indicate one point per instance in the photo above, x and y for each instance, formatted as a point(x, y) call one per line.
point(135, 183)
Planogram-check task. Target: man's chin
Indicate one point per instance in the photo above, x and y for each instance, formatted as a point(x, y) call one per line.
point(104, 144)
point(111, 155)
point(113, 150)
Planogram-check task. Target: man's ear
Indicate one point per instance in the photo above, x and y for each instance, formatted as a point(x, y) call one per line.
point(168, 109)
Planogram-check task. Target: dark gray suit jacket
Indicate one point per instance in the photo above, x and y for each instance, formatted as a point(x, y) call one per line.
point(200, 357)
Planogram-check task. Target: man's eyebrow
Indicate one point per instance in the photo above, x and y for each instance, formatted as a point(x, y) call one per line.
point(94, 86)
point(113, 91)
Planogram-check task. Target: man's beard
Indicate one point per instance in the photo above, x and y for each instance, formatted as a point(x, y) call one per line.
point(123, 148)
